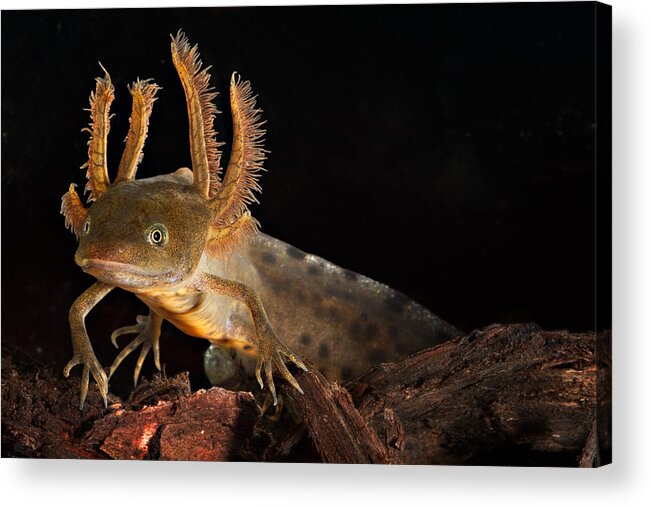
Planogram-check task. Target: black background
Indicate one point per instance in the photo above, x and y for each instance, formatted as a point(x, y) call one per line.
point(446, 150)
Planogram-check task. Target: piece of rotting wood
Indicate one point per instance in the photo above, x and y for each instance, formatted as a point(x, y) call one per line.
point(503, 395)
point(162, 419)
point(337, 429)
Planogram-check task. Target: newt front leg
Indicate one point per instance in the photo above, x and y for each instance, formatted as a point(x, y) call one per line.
point(269, 346)
point(82, 349)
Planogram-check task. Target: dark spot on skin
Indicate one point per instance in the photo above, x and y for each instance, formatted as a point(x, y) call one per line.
point(396, 303)
point(324, 351)
point(371, 330)
point(276, 287)
point(313, 270)
point(268, 257)
point(355, 328)
point(378, 355)
point(295, 253)
point(248, 347)
point(345, 296)
point(279, 286)
point(306, 339)
point(350, 275)
point(393, 331)
point(300, 295)
point(333, 313)
point(363, 316)
point(331, 291)
point(346, 374)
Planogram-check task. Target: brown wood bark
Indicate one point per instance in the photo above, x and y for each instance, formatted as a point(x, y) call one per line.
point(337, 429)
point(510, 394)
point(503, 395)
point(161, 419)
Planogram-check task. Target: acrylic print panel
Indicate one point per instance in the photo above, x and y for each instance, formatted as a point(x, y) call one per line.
point(451, 163)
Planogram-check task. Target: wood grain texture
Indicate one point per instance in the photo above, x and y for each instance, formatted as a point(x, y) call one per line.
point(503, 395)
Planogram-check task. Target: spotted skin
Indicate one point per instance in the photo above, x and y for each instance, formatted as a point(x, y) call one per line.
point(342, 321)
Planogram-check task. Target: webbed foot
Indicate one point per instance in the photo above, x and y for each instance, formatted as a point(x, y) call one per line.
point(148, 329)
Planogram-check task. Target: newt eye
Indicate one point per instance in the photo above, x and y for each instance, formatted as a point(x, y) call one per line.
point(86, 227)
point(157, 234)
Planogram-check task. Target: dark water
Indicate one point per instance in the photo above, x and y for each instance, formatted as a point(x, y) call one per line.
point(447, 150)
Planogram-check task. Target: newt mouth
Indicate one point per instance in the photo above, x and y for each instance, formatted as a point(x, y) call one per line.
point(95, 265)
point(121, 274)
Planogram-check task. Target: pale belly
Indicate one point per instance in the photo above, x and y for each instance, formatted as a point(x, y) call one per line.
point(204, 315)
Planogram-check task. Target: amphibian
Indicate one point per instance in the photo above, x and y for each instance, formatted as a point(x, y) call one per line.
point(187, 246)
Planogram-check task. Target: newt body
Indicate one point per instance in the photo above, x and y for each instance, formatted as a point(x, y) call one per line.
point(186, 245)
point(343, 321)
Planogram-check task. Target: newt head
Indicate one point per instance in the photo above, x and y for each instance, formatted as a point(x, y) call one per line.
point(153, 232)
point(144, 233)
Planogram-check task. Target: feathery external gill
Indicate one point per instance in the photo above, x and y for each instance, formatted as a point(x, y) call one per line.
point(224, 240)
point(100, 105)
point(204, 148)
point(143, 93)
point(247, 156)
point(73, 210)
